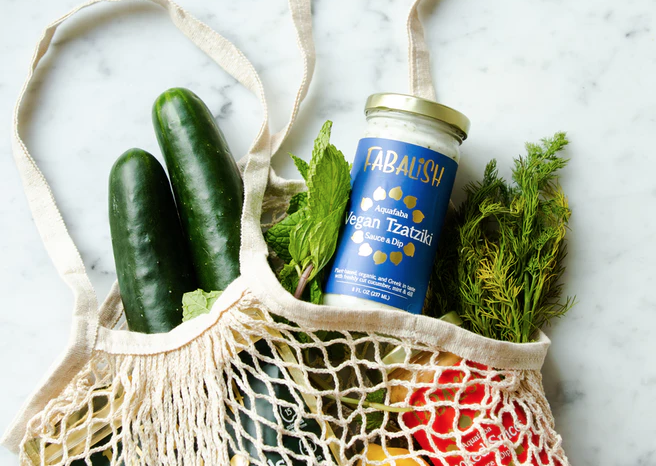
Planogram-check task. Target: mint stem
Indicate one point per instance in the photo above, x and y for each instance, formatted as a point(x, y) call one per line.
point(302, 282)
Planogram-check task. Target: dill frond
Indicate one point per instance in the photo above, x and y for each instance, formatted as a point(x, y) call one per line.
point(501, 253)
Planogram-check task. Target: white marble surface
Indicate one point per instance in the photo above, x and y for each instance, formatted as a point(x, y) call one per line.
point(519, 70)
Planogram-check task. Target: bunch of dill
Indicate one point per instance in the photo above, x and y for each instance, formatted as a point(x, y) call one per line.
point(501, 253)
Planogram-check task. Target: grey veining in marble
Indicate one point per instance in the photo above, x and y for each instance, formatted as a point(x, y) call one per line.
point(519, 70)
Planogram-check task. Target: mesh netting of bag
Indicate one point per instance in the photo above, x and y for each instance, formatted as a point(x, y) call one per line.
point(256, 389)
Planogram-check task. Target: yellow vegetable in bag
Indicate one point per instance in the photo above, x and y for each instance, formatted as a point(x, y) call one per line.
point(376, 453)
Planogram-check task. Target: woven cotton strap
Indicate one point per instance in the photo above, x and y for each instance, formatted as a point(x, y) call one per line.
point(419, 68)
point(58, 242)
point(258, 165)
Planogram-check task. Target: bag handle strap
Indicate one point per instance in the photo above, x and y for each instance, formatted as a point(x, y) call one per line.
point(48, 219)
point(258, 165)
point(419, 68)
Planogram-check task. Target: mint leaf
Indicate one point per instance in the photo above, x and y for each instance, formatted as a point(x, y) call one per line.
point(316, 296)
point(375, 419)
point(297, 202)
point(301, 165)
point(299, 239)
point(323, 241)
point(277, 237)
point(329, 186)
point(322, 140)
point(289, 278)
point(314, 240)
point(303, 337)
point(195, 303)
point(308, 236)
point(329, 183)
point(378, 396)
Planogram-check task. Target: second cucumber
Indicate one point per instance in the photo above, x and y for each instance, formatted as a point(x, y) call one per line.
point(206, 183)
point(152, 263)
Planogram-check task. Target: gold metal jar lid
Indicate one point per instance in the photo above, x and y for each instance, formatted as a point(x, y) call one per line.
point(411, 104)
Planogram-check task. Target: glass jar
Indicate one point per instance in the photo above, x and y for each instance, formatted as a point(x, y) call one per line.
point(402, 178)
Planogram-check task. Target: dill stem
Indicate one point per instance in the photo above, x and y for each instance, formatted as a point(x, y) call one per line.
point(527, 318)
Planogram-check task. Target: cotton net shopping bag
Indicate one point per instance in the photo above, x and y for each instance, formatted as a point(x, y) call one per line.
point(265, 379)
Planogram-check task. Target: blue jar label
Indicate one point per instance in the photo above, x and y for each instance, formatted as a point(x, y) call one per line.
point(400, 195)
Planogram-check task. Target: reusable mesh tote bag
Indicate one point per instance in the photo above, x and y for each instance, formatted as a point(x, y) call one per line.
point(256, 381)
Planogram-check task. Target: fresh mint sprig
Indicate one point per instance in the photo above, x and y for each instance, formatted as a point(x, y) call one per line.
point(307, 238)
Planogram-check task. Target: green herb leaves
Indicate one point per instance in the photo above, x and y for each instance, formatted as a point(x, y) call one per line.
point(375, 419)
point(195, 303)
point(501, 268)
point(306, 239)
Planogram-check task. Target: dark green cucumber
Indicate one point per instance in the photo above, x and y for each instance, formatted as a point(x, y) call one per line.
point(206, 183)
point(152, 261)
